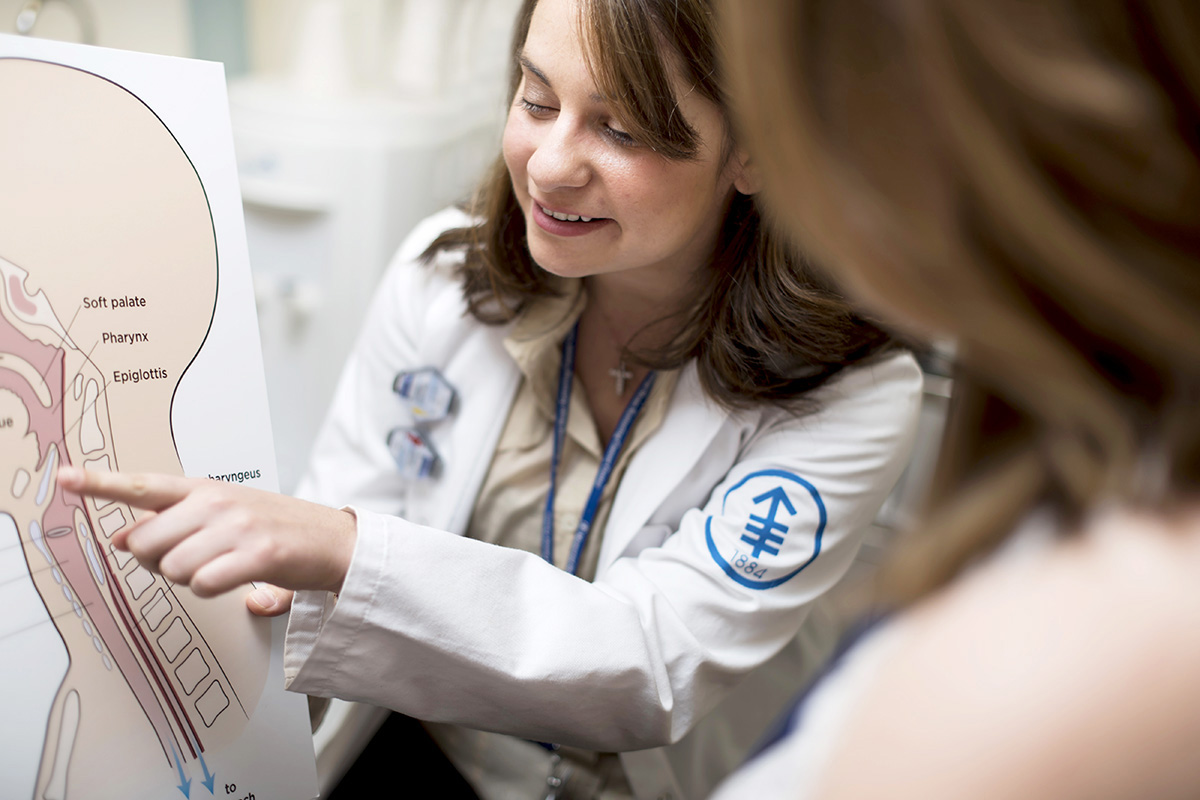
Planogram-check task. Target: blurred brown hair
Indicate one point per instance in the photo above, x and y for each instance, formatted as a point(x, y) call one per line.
point(1024, 177)
point(762, 325)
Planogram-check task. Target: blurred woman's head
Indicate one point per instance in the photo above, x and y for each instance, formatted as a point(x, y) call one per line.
point(1023, 177)
point(618, 115)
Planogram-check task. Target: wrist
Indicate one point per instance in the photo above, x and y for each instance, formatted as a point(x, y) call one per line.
point(344, 537)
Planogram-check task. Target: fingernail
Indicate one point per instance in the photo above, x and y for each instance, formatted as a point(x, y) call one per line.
point(70, 474)
point(264, 598)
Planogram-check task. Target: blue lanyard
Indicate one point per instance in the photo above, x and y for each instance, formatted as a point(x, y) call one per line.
point(565, 374)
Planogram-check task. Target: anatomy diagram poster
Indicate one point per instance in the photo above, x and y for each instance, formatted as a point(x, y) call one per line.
point(128, 341)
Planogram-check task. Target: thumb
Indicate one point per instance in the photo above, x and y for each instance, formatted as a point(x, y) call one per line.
point(269, 601)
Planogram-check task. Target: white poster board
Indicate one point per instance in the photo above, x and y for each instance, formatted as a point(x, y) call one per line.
point(128, 340)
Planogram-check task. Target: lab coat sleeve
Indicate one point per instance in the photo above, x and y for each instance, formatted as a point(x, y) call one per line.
point(450, 629)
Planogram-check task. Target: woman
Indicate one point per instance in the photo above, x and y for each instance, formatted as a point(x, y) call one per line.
point(1023, 177)
point(633, 356)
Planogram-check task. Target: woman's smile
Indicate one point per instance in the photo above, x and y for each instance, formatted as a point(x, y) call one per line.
point(560, 223)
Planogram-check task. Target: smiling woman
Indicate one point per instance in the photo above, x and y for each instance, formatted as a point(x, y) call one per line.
point(603, 445)
point(641, 146)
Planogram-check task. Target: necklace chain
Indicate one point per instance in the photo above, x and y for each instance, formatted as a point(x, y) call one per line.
point(621, 374)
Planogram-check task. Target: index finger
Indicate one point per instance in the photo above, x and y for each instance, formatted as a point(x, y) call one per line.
point(148, 491)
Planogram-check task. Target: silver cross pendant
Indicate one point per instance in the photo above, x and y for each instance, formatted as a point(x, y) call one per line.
point(620, 374)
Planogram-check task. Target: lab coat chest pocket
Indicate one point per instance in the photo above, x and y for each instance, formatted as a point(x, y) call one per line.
point(429, 500)
point(486, 379)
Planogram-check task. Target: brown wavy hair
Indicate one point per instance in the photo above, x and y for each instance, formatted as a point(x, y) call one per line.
point(762, 325)
point(1024, 177)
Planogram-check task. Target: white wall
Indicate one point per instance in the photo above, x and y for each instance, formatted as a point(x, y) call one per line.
point(150, 26)
point(358, 118)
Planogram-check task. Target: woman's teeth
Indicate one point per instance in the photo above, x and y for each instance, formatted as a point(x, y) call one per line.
point(565, 217)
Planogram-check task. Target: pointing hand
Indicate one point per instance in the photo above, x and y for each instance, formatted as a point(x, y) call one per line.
point(216, 536)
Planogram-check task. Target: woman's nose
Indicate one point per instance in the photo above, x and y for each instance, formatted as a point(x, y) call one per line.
point(559, 160)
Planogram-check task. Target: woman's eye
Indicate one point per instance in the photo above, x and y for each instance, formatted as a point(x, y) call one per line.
point(619, 136)
point(535, 109)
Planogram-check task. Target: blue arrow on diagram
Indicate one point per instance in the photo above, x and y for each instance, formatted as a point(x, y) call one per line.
point(185, 783)
point(208, 777)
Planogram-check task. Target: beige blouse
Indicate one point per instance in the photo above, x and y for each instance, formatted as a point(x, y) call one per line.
point(508, 512)
point(511, 503)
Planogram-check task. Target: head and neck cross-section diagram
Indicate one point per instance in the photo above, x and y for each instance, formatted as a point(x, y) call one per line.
point(111, 676)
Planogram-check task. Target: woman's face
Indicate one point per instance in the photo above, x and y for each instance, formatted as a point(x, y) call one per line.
point(595, 201)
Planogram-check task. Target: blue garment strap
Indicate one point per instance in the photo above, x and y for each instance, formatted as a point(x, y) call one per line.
point(566, 373)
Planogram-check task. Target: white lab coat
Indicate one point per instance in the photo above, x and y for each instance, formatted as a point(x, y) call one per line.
point(450, 629)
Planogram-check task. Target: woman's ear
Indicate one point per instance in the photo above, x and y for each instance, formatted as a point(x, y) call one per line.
point(746, 177)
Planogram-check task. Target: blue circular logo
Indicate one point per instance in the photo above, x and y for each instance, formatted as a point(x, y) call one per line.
point(773, 496)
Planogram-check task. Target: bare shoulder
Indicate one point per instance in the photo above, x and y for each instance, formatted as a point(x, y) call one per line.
point(1069, 674)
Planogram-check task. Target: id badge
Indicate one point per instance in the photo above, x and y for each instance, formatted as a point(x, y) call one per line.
point(415, 458)
point(427, 394)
